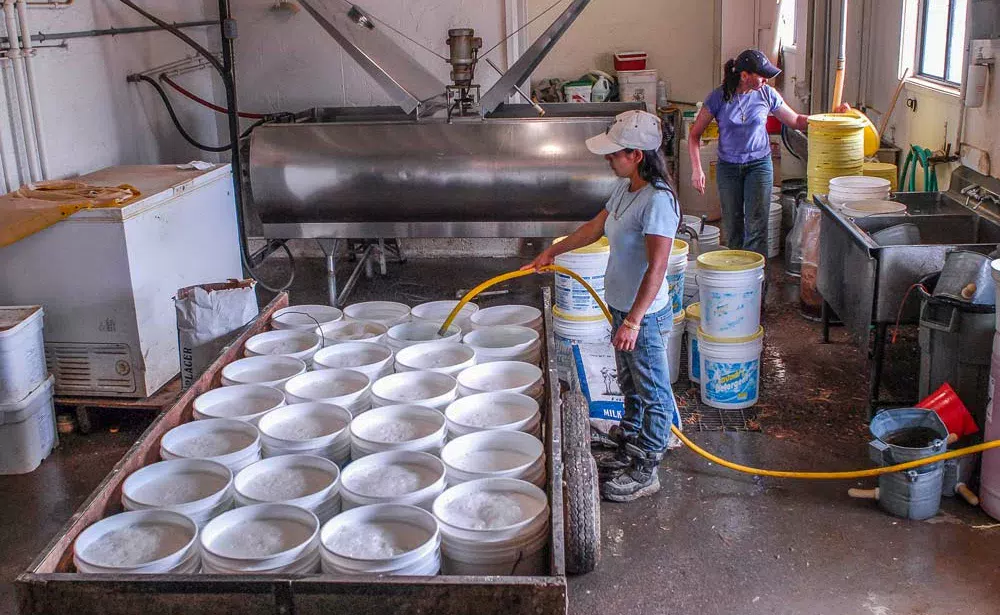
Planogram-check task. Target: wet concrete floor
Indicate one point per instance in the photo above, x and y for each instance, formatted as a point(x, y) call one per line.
point(711, 541)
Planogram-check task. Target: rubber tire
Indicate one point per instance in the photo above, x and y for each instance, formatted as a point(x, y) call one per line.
point(581, 513)
point(575, 424)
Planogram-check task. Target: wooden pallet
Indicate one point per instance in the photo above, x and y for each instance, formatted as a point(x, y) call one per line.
point(82, 406)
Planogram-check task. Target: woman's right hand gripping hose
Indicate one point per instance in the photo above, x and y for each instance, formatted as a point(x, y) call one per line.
point(698, 180)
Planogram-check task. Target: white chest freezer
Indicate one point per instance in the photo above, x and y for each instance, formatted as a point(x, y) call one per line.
point(106, 277)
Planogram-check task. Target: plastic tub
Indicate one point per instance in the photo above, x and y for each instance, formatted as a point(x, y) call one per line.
point(372, 359)
point(306, 481)
point(398, 428)
point(512, 376)
point(235, 444)
point(384, 539)
point(493, 411)
point(401, 477)
point(352, 331)
point(675, 341)
point(431, 389)
point(774, 229)
point(730, 370)
point(198, 488)
point(441, 357)
point(305, 317)
point(590, 263)
point(520, 315)
point(27, 430)
point(437, 311)
point(245, 402)
point(137, 542)
point(676, 266)
point(289, 343)
point(272, 371)
point(692, 320)
point(582, 329)
point(22, 352)
point(310, 428)
point(388, 313)
point(730, 284)
point(494, 454)
point(419, 332)
point(263, 538)
point(347, 388)
point(505, 343)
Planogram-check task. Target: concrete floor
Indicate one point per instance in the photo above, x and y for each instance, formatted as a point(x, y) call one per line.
point(711, 542)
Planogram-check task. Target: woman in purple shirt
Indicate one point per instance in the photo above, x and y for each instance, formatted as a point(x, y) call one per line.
point(745, 176)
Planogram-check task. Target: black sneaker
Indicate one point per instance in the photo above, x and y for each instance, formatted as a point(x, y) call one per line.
point(639, 480)
point(610, 466)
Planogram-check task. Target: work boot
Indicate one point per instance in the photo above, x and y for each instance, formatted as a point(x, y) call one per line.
point(609, 467)
point(638, 480)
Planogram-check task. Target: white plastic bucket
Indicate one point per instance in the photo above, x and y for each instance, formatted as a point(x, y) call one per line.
point(311, 428)
point(398, 428)
point(430, 389)
point(676, 266)
point(691, 294)
point(261, 539)
point(22, 352)
point(419, 332)
point(730, 370)
point(138, 542)
point(371, 359)
point(995, 272)
point(675, 341)
point(272, 371)
point(730, 284)
point(289, 343)
point(399, 477)
point(346, 388)
point(774, 230)
point(494, 454)
point(512, 376)
point(590, 263)
point(305, 317)
point(520, 315)
point(493, 411)
point(442, 357)
point(382, 539)
point(198, 488)
point(388, 313)
point(235, 444)
point(582, 329)
point(692, 320)
point(306, 481)
point(352, 331)
point(437, 311)
point(245, 402)
point(505, 343)
point(28, 430)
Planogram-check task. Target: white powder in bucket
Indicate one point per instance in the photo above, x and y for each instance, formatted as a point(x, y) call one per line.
point(396, 430)
point(243, 406)
point(260, 538)
point(178, 488)
point(283, 484)
point(213, 444)
point(487, 510)
point(283, 346)
point(306, 428)
point(494, 415)
point(389, 480)
point(323, 389)
point(269, 373)
point(416, 391)
point(491, 460)
point(136, 545)
point(376, 540)
point(355, 358)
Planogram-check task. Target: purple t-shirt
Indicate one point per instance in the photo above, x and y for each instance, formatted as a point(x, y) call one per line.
point(742, 131)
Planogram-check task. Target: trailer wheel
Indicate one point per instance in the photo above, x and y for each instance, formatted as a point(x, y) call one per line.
point(575, 424)
point(581, 512)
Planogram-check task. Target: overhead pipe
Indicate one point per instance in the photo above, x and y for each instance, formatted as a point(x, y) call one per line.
point(27, 125)
point(41, 37)
point(50, 4)
point(29, 71)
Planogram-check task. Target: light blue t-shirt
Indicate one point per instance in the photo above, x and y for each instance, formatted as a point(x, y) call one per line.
point(742, 123)
point(632, 216)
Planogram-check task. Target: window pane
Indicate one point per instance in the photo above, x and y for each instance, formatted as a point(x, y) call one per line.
point(935, 38)
point(786, 23)
point(957, 43)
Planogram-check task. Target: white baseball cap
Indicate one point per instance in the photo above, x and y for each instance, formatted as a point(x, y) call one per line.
point(630, 130)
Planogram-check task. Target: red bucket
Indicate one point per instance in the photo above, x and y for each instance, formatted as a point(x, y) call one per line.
point(949, 407)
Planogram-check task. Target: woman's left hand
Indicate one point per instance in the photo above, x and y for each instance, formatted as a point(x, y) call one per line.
point(844, 108)
point(624, 339)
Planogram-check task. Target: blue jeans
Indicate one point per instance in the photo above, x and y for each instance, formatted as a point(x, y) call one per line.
point(745, 192)
point(644, 378)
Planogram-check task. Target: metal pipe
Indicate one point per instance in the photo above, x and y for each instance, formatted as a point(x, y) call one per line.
point(27, 125)
point(29, 71)
point(51, 4)
point(41, 37)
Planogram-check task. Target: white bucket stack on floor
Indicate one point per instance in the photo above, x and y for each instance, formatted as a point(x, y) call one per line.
point(346, 388)
point(305, 317)
point(311, 428)
point(436, 312)
point(309, 482)
point(511, 376)
point(576, 315)
point(387, 313)
point(494, 411)
point(139, 542)
point(692, 320)
point(675, 341)
point(27, 415)
point(420, 332)
point(505, 343)
point(352, 331)
point(441, 357)
point(393, 477)
point(493, 526)
point(730, 338)
point(676, 268)
point(244, 402)
point(271, 371)
point(709, 236)
point(774, 228)
point(287, 343)
point(374, 360)
point(382, 539)
point(235, 444)
point(425, 388)
point(198, 488)
point(494, 454)
point(261, 539)
point(398, 428)
point(518, 315)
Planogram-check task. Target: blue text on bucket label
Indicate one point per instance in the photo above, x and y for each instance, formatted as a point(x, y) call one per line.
point(729, 310)
point(731, 383)
point(675, 284)
point(572, 297)
point(695, 358)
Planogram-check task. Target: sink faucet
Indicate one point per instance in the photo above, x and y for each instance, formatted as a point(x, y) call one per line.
point(973, 191)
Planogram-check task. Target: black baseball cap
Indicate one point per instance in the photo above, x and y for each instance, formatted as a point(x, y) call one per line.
point(753, 61)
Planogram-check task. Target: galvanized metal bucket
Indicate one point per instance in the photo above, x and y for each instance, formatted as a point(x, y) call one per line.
point(966, 277)
point(915, 493)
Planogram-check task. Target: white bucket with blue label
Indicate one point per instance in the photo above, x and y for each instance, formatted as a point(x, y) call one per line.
point(589, 262)
point(730, 284)
point(676, 266)
point(692, 320)
point(674, 343)
point(730, 369)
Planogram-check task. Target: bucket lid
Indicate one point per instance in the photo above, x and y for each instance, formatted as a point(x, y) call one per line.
point(556, 312)
point(679, 318)
point(730, 260)
point(730, 340)
point(599, 246)
point(679, 247)
point(693, 311)
point(835, 120)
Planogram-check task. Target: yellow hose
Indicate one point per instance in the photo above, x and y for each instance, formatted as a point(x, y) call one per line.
point(847, 475)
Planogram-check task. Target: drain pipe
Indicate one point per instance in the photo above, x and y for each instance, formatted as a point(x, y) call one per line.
point(36, 114)
point(27, 126)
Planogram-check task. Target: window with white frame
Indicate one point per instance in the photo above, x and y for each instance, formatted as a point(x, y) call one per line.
point(786, 23)
point(941, 43)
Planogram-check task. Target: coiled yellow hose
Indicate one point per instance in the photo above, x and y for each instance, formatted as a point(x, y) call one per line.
point(969, 450)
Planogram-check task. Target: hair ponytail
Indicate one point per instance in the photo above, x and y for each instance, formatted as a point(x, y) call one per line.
point(730, 80)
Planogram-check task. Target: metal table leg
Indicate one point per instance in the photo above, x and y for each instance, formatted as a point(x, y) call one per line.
point(329, 247)
point(825, 315)
point(878, 355)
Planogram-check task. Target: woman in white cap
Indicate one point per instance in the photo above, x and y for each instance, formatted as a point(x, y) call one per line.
point(639, 220)
point(744, 173)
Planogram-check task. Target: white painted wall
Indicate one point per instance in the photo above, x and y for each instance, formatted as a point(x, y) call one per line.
point(678, 35)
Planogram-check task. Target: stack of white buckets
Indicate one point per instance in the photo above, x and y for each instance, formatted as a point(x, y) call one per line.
point(774, 224)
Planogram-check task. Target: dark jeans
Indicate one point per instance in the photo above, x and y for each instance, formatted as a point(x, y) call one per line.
point(745, 192)
point(644, 378)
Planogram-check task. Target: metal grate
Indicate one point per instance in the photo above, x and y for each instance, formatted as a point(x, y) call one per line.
point(700, 417)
